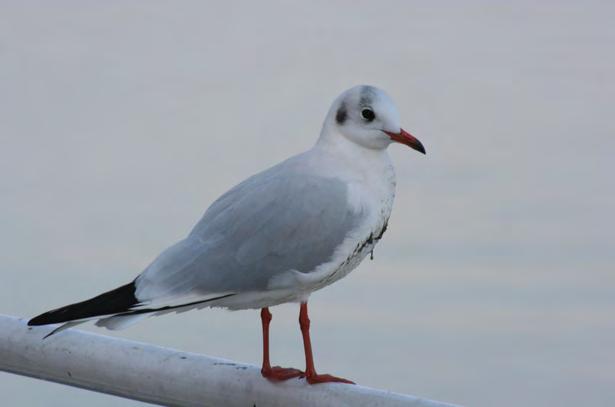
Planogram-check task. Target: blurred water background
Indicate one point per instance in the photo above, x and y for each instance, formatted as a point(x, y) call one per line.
point(121, 121)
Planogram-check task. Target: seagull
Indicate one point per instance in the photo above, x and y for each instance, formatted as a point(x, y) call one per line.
point(276, 237)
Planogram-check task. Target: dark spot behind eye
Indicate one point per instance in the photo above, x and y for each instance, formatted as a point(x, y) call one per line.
point(368, 114)
point(341, 114)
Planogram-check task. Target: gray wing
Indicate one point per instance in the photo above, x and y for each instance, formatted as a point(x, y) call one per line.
point(281, 219)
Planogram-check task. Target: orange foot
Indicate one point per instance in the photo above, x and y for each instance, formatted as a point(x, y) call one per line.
point(278, 374)
point(325, 378)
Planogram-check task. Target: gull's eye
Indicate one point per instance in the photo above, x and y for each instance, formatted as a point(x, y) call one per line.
point(368, 114)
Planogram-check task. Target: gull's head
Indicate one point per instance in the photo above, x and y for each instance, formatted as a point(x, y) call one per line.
point(367, 116)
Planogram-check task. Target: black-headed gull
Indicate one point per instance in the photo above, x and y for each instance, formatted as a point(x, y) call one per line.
point(277, 236)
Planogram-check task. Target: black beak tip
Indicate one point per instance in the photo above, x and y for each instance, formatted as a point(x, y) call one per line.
point(420, 148)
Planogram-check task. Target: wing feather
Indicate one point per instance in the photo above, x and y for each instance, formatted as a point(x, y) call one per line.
point(279, 220)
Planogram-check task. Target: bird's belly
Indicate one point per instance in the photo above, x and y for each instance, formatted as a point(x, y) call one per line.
point(343, 269)
point(295, 286)
point(354, 258)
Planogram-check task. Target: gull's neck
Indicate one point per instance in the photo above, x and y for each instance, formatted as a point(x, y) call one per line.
point(333, 142)
point(369, 172)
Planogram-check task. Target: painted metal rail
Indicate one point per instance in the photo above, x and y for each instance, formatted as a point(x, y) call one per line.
point(165, 376)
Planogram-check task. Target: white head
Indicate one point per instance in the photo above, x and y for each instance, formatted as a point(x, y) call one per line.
point(368, 117)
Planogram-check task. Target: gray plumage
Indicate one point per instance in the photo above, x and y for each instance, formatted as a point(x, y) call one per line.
point(279, 220)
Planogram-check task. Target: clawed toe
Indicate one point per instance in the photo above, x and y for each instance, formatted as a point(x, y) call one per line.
point(326, 378)
point(278, 374)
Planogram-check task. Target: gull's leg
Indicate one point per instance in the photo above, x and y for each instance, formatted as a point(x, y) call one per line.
point(310, 372)
point(275, 373)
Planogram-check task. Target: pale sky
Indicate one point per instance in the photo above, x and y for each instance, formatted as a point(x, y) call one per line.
point(121, 121)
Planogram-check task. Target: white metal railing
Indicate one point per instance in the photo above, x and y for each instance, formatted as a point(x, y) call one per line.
point(165, 376)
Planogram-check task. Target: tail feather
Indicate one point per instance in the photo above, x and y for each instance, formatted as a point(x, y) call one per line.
point(112, 302)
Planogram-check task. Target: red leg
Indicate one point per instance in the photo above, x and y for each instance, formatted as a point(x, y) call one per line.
point(275, 373)
point(310, 372)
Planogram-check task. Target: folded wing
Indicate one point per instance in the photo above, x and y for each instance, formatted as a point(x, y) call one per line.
point(279, 220)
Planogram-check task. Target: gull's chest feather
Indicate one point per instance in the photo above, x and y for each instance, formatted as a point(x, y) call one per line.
point(372, 197)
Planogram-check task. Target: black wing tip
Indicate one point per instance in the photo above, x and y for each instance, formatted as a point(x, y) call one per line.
point(112, 302)
point(40, 320)
point(49, 317)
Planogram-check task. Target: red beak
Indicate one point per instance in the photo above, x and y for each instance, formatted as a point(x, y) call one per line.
point(406, 138)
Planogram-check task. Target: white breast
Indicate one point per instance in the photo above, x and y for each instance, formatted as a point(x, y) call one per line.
point(371, 191)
